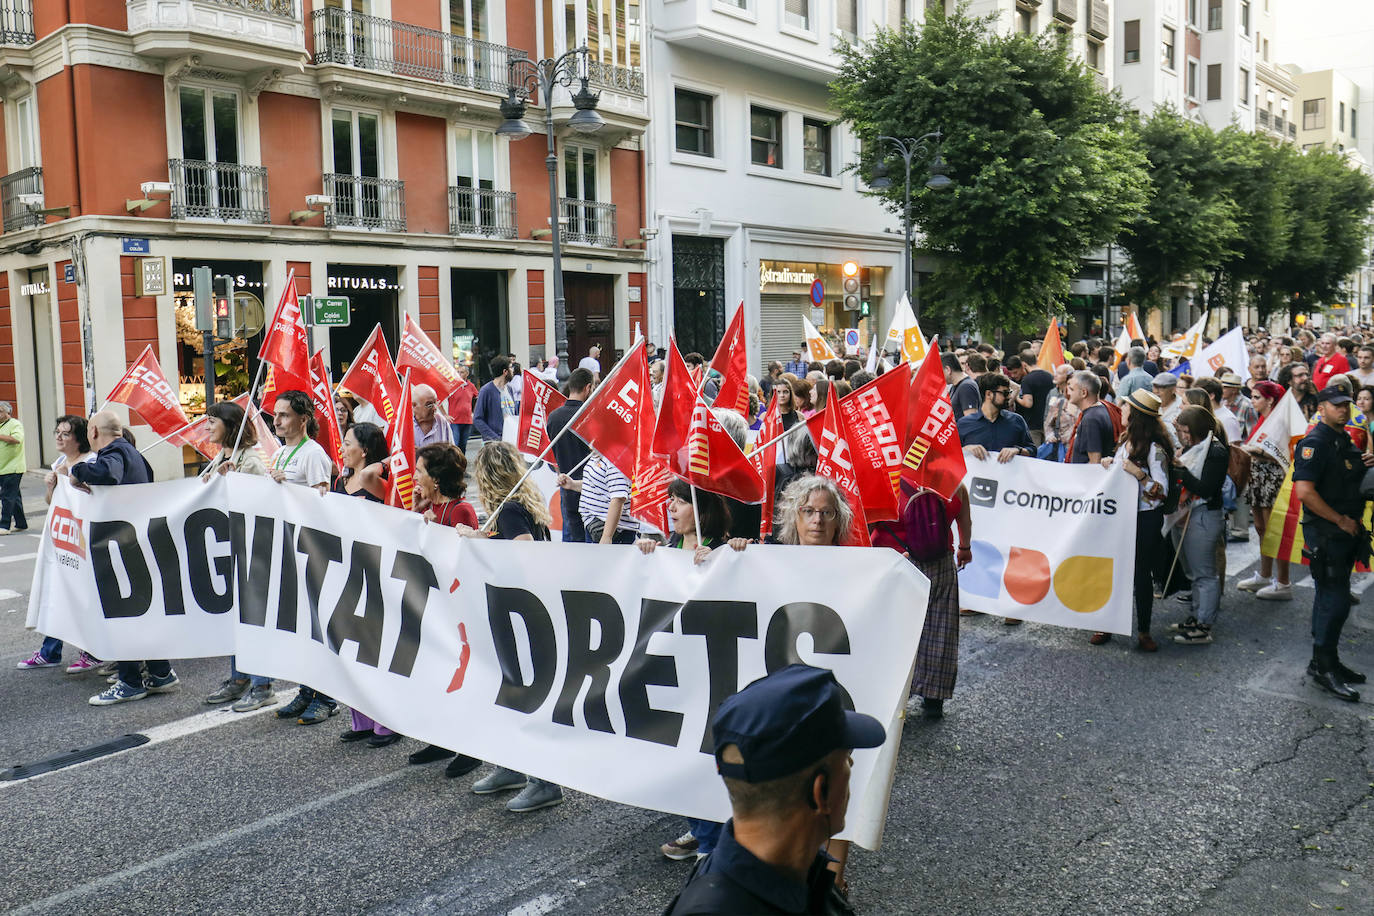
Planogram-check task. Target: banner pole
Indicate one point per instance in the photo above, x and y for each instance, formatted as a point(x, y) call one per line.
point(1178, 550)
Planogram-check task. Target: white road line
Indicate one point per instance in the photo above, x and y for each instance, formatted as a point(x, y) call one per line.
point(7, 593)
point(1359, 582)
point(159, 734)
point(1240, 557)
point(539, 906)
point(16, 559)
point(229, 839)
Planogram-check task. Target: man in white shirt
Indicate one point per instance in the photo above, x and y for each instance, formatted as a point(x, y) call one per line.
point(430, 428)
point(1364, 365)
point(592, 363)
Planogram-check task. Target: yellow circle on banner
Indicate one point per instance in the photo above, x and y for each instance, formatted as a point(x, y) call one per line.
point(1027, 578)
point(1084, 584)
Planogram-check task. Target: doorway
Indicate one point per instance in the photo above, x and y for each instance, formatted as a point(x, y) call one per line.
point(590, 317)
point(480, 320)
point(373, 298)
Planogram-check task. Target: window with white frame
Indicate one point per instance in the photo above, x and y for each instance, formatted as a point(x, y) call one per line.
point(579, 172)
point(586, 220)
point(816, 147)
point(209, 124)
point(694, 128)
point(797, 14)
point(1093, 54)
point(1130, 41)
point(765, 137)
point(1213, 15)
point(847, 18)
point(611, 29)
point(356, 151)
point(208, 180)
point(476, 158)
point(468, 19)
point(26, 133)
point(1192, 79)
point(1244, 92)
point(1195, 13)
point(1167, 44)
point(1245, 16)
point(1314, 114)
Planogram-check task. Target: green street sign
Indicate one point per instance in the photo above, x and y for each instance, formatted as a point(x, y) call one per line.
point(329, 311)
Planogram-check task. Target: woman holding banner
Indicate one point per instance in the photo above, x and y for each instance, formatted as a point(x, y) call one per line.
point(227, 424)
point(1145, 451)
point(1202, 469)
point(521, 515)
point(1266, 476)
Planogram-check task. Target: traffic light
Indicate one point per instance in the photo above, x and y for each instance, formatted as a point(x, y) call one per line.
point(865, 294)
point(202, 280)
point(850, 270)
point(225, 319)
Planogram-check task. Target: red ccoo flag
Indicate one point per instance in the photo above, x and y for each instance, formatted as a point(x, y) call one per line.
point(537, 400)
point(268, 443)
point(400, 441)
point(694, 442)
point(835, 459)
point(145, 389)
point(425, 361)
point(619, 411)
point(372, 377)
point(875, 423)
point(934, 458)
point(322, 396)
point(765, 460)
point(732, 362)
point(286, 346)
point(197, 435)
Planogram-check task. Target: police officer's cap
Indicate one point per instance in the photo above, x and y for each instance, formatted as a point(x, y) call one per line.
point(782, 722)
point(1334, 394)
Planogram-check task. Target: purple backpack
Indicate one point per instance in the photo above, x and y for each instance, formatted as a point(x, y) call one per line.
point(926, 524)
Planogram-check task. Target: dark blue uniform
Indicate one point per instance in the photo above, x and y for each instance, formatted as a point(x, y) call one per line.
point(1328, 459)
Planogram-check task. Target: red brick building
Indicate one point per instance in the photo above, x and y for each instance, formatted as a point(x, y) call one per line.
point(349, 141)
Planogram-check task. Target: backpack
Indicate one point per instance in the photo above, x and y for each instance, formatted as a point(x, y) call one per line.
point(1238, 467)
point(925, 522)
point(1118, 427)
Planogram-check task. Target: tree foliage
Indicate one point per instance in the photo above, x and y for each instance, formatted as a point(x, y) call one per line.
point(1043, 168)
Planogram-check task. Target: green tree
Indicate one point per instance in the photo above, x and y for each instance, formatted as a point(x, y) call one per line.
point(1042, 166)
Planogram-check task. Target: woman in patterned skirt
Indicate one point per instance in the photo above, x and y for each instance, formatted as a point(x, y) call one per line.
point(1266, 476)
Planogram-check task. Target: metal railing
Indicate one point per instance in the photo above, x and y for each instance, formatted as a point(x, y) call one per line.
point(17, 214)
point(588, 222)
point(286, 9)
point(367, 203)
point(481, 211)
point(619, 79)
point(218, 190)
point(1263, 117)
point(370, 43)
point(1279, 123)
point(16, 22)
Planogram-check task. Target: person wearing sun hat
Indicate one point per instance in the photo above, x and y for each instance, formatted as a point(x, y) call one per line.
point(1145, 452)
point(782, 745)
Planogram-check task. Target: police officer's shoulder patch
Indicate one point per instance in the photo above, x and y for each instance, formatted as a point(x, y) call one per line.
point(1307, 452)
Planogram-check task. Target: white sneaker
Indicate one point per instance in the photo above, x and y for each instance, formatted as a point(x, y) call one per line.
point(1252, 584)
point(1275, 592)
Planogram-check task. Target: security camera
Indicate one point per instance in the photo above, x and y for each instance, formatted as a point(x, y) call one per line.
point(319, 201)
point(31, 201)
point(159, 188)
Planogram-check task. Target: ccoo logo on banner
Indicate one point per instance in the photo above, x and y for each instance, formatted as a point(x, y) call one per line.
point(1053, 543)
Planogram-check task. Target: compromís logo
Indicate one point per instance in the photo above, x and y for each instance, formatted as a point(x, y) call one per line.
point(68, 536)
point(1051, 504)
point(983, 492)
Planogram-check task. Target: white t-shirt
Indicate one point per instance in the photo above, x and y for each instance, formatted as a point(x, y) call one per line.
point(591, 365)
point(1366, 378)
point(1230, 424)
point(305, 463)
point(1155, 470)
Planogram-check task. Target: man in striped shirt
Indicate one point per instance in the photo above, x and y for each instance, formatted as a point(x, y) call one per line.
point(605, 503)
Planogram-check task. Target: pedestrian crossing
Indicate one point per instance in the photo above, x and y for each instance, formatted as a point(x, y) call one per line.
point(1243, 557)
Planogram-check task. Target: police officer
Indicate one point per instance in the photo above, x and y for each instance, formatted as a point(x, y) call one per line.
point(1327, 470)
point(783, 746)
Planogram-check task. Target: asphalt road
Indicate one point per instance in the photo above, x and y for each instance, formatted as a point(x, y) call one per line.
point(1065, 779)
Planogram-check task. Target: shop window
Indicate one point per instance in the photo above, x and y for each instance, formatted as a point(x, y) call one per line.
point(694, 131)
point(765, 137)
point(816, 147)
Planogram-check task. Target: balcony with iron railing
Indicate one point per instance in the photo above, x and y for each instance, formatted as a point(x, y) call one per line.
point(365, 203)
point(1263, 117)
point(481, 211)
point(232, 35)
point(14, 187)
point(223, 191)
point(588, 222)
point(349, 39)
point(16, 22)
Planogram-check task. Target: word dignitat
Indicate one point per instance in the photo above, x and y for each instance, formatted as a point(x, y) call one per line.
point(782, 745)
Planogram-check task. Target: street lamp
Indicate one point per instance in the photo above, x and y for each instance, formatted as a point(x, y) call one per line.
point(909, 149)
point(527, 77)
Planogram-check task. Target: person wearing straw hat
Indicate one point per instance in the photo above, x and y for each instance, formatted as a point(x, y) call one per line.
point(1145, 452)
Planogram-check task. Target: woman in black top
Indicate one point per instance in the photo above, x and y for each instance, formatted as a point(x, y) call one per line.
point(523, 517)
point(364, 459)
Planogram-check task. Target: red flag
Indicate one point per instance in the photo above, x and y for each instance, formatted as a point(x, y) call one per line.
point(197, 435)
point(934, 458)
point(145, 389)
point(322, 395)
point(765, 460)
point(426, 361)
point(649, 492)
point(400, 441)
point(695, 443)
point(732, 362)
point(372, 377)
point(875, 422)
point(835, 459)
point(286, 345)
point(268, 443)
point(537, 400)
point(616, 415)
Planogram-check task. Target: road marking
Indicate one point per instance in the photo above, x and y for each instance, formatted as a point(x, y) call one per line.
point(539, 906)
point(6, 594)
point(1359, 582)
point(1240, 557)
point(22, 556)
point(160, 734)
point(226, 840)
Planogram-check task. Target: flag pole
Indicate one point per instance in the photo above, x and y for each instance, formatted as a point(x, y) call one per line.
point(152, 445)
point(257, 376)
point(696, 517)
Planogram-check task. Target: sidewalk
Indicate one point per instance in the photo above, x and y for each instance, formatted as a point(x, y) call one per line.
point(33, 490)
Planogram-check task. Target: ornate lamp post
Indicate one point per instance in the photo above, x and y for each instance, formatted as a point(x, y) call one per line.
point(526, 78)
point(909, 149)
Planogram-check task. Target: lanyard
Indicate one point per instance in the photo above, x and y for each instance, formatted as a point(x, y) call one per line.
point(282, 466)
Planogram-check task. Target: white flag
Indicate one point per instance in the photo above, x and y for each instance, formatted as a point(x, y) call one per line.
point(1285, 423)
point(1227, 350)
point(904, 333)
point(820, 350)
point(1190, 343)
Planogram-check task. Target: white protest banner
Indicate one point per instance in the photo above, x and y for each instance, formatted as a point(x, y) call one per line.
point(592, 666)
point(1053, 543)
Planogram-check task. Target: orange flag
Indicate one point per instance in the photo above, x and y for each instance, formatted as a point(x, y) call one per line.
point(1052, 350)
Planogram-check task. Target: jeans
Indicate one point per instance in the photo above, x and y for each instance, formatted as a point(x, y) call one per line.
point(461, 431)
point(595, 529)
point(12, 502)
point(1148, 545)
point(1200, 542)
point(130, 674)
point(1335, 555)
point(573, 529)
point(707, 834)
point(51, 649)
point(235, 674)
